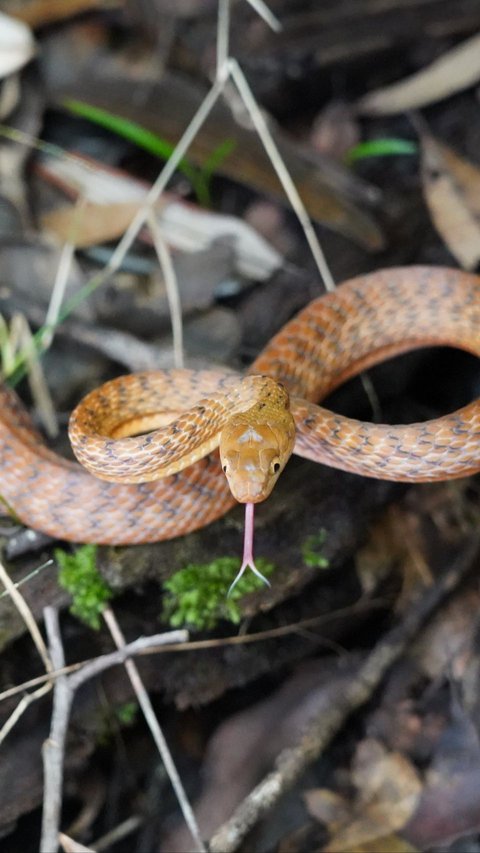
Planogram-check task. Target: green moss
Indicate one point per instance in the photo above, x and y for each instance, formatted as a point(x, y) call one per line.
point(80, 577)
point(197, 594)
point(312, 550)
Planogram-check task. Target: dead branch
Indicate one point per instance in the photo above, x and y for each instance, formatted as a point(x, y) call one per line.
point(293, 761)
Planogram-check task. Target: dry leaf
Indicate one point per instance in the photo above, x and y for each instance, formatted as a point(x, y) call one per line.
point(388, 790)
point(451, 186)
point(457, 69)
point(385, 844)
point(328, 807)
point(395, 543)
point(89, 224)
point(111, 198)
point(16, 45)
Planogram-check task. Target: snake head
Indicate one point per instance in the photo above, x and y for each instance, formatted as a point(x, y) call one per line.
point(254, 453)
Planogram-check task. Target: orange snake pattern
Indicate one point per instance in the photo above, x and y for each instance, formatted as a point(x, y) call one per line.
point(365, 321)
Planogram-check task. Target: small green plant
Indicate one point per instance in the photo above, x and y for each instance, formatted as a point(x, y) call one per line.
point(80, 577)
point(156, 145)
point(312, 550)
point(197, 594)
point(126, 714)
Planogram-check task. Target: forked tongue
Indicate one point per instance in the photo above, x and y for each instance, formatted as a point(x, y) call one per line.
point(248, 562)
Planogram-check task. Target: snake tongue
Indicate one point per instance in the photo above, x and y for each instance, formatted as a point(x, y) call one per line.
point(248, 562)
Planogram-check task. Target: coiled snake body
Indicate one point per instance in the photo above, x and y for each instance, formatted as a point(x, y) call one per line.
point(364, 322)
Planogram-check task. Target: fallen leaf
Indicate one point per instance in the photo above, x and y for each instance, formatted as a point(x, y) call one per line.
point(328, 807)
point(395, 543)
point(330, 192)
point(385, 844)
point(457, 69)
point(89, 224)
point(113, 197)
point(388, 789)
point(16, 45)
point(451, 186)
point(387, 782)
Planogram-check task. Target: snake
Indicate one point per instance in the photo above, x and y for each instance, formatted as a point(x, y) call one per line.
point(149, 442)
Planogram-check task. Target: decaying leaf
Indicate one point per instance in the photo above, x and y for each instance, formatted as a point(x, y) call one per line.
point(388, 789)
point(451, 186)
point(457, 69)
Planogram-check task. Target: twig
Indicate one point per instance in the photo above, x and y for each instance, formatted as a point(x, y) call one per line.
point(63, 271)
point(291, 762)
point(177, 642)
point(157, 734)
point(27, 617)
point(163, 178)
point(54, 747)
point(131, 824)
point(262, 9)
point(223, 37)
point(284, 177)
point(22, 706)
point(36, 380)
point(71, 846)
point(171, 287)
point(29, 577)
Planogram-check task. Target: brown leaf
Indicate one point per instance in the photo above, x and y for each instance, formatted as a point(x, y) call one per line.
point(457, 69)
point(89, 224)
point(385, 844)
point(388, 789)
point(328, 807)
point(451, 186)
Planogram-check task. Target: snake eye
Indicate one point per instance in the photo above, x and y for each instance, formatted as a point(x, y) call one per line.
point(224, 469)
point(275, 467)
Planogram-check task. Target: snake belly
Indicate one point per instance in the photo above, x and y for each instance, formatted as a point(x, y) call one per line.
point(364, 322)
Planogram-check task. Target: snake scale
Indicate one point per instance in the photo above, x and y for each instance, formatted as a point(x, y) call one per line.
point(365, 321)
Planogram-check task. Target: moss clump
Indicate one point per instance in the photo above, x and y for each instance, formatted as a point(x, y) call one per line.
point(312, 550)
point(80, 577)
point(197, 594)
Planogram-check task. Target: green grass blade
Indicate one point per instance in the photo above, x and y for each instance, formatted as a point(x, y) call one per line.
point(380, 148)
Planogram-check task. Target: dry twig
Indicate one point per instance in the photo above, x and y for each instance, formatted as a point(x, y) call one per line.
point(54, 747)
point(154, 726)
